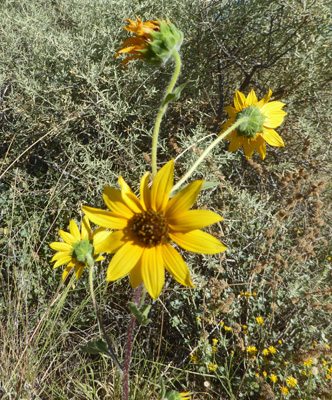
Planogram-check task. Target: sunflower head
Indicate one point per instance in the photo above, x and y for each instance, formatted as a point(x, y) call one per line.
point(145, 227)
point(80, 248)
point(262, 117)
point(154, 41)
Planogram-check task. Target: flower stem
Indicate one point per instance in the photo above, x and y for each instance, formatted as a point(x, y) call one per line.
point(162, 110)
point(130, 336)
point(207, 151)
point(100, 322)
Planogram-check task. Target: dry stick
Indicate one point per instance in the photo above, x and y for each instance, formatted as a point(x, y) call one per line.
point(130, 335)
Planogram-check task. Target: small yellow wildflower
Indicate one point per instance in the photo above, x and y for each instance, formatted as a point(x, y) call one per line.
point(244, 326)
point(193, 358)
point(232, 351)
point(264, 373)
point(215, 341)
point(79, 247)
point(328, 376)
point(280, 341)
point(247, 294)
point(254, 294)
point(222, 323)
point(227, 328)
point(273, 378)
point(329, 258)
point(291, 381)
point(260, 320)
point(327, 346)
point(213, 349)
point(198, 319)
point(284, 390)
point(310, 372)
point(246, 332)
point(266, 352)
point(252, 350)
point(212, 367)
point(263, 118)
point(202, 339)
point(308, 363)
point(272, 350)
point(304, 373)
point(324, 361)
point(329, 370)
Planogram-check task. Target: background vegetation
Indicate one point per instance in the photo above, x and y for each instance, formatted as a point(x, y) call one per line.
point(72, 119)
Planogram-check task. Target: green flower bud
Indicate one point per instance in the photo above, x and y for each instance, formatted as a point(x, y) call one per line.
point(253, 125)
point(162, 44)
point(83, 251)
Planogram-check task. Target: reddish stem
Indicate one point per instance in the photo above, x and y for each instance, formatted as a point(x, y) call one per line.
point(130, 336)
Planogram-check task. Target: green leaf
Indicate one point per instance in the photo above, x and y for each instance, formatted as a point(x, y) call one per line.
point(140, 314)
point(175, 95)
point(95, 347)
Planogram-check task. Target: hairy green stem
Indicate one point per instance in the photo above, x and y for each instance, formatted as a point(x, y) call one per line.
point(207, 151)
point(162, 110)
point(100, 322)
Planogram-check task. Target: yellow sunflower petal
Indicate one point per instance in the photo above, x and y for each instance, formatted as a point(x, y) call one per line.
point(63, 260)
point(152, 269)
point(235, 143)
point(231, 111)
point(265, 99)
point(102, 240)
point(198, 242)
point(73, 229)
point(176, 266)
point(239, 100)
point(145, 191)
point(111, 243)
point(60, 246)
point(251, 99)
point(274, 114)
point(104, 218)
point(113, 200)
point(85, 228)
point(261, 147)
point(184, 199)
point(272, 138)
point(60, 254)
point(79, 268)
point(100, 258)
point(67, 237)
point(249, 147)
point(232, 135)
point(193, 219)
point(162, 186)
point(135, 275)
point(68, 268)
point(124, 261)
point(129, 197)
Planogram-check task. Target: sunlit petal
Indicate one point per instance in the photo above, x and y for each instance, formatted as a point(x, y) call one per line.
point(239, 100)
point(113, 200)
point(272, 138)
point(162, 186)
point(67, 237)
point(60, 246)
point(104, 218)
point(85, 228)
point(152, 269)
point(73, 229)
point(176, 266)
point(193, 219)
point(145, 191)
point(198, 242)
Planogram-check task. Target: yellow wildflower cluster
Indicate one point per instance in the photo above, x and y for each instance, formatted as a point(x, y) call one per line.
point(259, 320)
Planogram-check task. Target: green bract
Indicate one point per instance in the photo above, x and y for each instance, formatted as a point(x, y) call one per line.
point(253, 125)
point(162, 44)
point(83, 251)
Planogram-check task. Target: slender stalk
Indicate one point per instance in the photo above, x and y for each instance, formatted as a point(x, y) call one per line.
point(162, 110)
point(207, 151)
point(100, 322)
point(130, 335)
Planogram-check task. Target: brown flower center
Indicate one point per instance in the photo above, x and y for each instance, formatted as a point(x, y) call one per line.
point(150, 228)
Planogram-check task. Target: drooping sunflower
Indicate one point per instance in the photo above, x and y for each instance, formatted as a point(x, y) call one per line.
point(135, 45)
point(264, 117)
point(146, 226)
point(77, 245)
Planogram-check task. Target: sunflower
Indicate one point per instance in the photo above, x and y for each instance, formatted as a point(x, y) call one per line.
point(135, 45)
point(264, 116)
point(78, 246)
point(144, 228)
